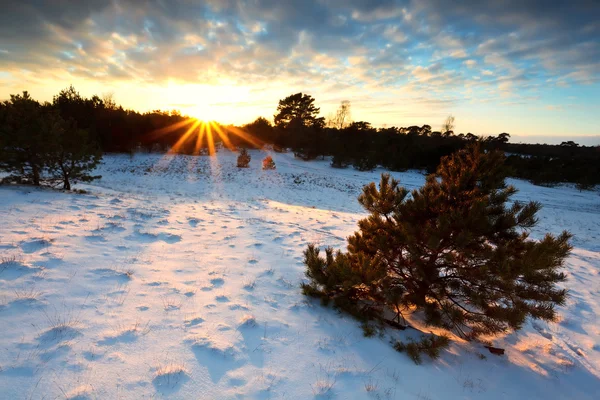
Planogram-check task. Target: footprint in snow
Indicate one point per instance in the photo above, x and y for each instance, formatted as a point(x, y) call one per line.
point(194, 321)
point(95, 238)
point(35, 245)
point(217, 282)
point(542, 331)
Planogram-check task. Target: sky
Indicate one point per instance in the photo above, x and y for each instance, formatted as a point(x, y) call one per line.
point(527, 67)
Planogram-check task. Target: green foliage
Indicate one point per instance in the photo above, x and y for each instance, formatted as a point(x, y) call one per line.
point(429, 345)
point(368, 329)
point(552, 164)
point(454, 249)
point(23, 138)
point(243, 160)
point(72, 154)
point(38, 146)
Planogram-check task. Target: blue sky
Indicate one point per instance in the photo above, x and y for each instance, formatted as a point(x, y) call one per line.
point(528, 67)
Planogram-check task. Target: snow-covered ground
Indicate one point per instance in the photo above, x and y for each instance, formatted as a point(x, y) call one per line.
point(178, 277)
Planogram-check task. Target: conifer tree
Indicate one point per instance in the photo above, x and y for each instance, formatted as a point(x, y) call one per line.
point(23, 139)
point(243, 160)
point(72, 154)
point(268, 163)
point(454, 249)
point(38, 146)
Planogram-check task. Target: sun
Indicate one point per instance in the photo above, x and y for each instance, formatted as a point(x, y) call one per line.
point(201, 112)
point(203, 134)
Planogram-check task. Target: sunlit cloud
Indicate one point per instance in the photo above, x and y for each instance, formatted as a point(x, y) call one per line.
point(398, 62)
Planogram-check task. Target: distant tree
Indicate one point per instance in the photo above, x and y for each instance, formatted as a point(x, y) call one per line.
point(363, 154)
point(261, 129)
point(108, 99)
point(503, 137)
point(342, 116)
point(570, 143)
point(470, 137)
point(299, 108)
point(425, 130)
point(454, 249)
point(448, 126)
point(298, 126)
point(243, 160)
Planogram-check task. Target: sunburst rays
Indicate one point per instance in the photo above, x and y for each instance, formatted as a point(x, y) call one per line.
point(200, 136)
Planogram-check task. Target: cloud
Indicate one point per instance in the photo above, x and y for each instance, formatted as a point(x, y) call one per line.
point(382, 48)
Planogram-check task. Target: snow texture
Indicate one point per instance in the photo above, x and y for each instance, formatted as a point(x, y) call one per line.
point(178, 277)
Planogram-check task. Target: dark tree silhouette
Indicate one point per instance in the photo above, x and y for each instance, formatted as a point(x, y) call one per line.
point(72, 155)
point(299, 109)
point(23, 138)
point(37, 145)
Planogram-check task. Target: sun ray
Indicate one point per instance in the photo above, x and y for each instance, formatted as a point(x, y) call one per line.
point(199, 138)
point(223, 136)
point(246, 136)
point(209, 137)
point(171, 128)
point(184, 137)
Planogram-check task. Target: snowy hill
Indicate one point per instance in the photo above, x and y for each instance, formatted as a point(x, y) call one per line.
point(178, 277)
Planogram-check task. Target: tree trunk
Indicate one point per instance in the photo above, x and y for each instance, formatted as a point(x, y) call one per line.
point(36, 174)
point(66, 183)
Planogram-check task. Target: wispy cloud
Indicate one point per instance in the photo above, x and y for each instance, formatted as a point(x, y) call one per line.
point(390, 51)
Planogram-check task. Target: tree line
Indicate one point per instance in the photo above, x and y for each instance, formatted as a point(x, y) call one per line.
point(364, 147)
point(59, 141)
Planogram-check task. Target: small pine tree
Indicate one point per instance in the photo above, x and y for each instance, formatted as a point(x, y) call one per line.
point(268, 163)
point(72, 155)
point(243, 160)
point(453, 249)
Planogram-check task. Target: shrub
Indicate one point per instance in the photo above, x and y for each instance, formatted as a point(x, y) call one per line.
point(268, 163)
point(243, 160)
point(454, 249)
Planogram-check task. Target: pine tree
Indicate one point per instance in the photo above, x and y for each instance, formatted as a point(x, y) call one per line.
point(268, 163)
point(71, 155)
point(38, 146)
point(453, 249)
point(23, 139)
point(243, 160)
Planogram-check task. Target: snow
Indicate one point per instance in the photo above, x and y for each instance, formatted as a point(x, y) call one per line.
point(178, 277)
